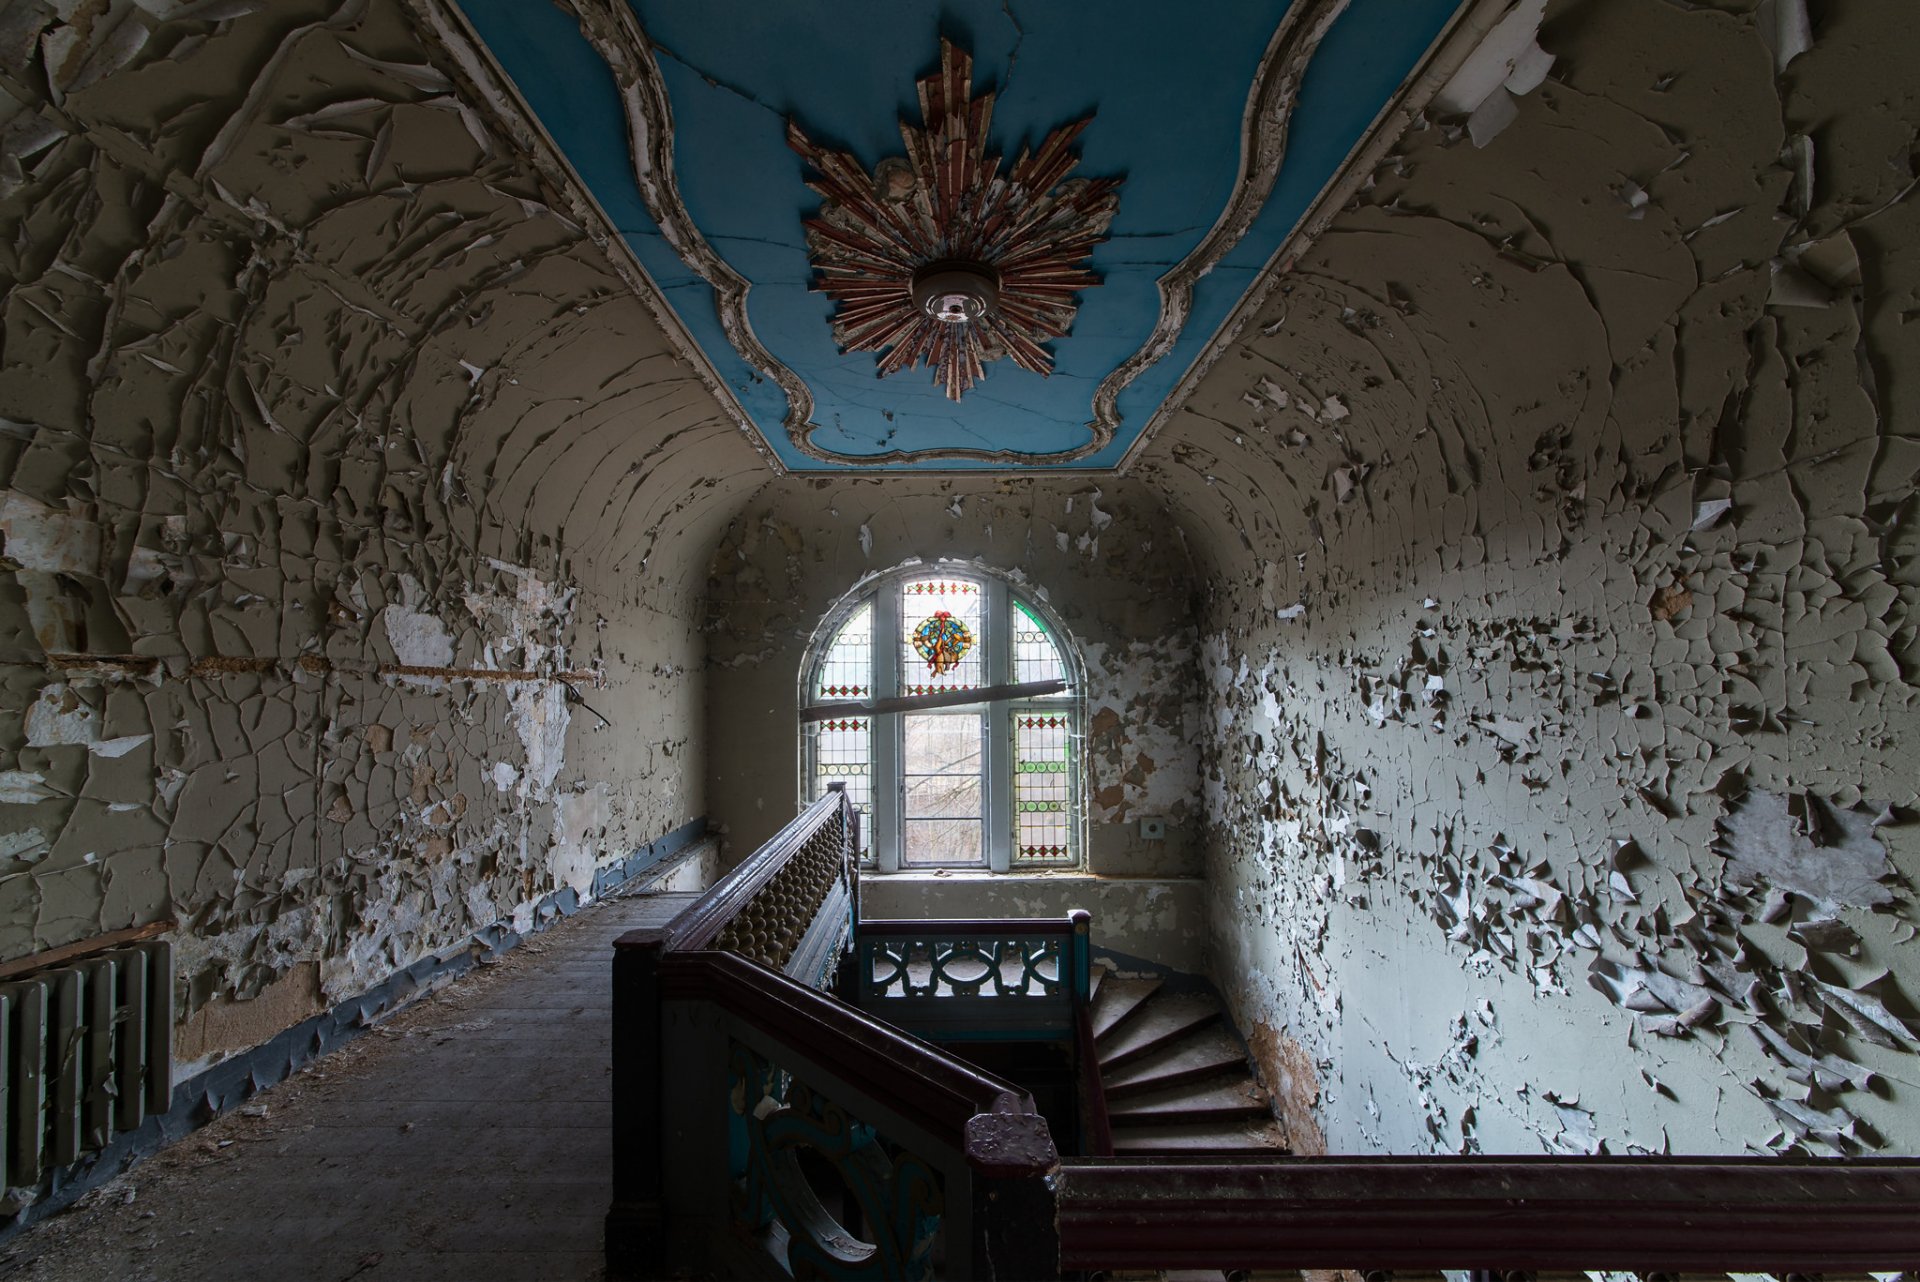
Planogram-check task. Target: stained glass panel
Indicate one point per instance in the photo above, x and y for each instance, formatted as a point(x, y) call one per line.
point(1042, 785)
point(920, 600)
point(842, 748)
point(1035, 658)
point(847, 670)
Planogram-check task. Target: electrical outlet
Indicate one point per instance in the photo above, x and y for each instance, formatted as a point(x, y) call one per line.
point(1153, 830)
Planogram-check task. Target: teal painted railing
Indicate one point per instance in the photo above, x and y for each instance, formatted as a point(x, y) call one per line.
point(975, 980)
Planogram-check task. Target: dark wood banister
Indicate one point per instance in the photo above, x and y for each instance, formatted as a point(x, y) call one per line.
point(701, 924)
point(990, 927)
point(1098, 1139)
point(1762, 1214)
point(930, 1087)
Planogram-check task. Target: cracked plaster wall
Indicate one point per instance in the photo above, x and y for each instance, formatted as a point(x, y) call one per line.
point(312, 399)
point(1560, 648)
point(1103, 554)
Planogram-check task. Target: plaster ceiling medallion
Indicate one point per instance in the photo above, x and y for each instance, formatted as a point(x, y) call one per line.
point(938, 258)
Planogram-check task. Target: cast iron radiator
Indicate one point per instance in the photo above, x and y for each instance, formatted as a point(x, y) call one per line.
point(86, 1050)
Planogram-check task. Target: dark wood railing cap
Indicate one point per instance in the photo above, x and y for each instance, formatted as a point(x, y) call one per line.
point(1613, 1213)
point(965, 927)
point(1010, 1144)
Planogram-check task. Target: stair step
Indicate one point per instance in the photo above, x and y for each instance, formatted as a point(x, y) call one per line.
point(1119, 999)
point(1166, 1019)
point(1204, 1101)
point(1096, 976)
point(1211, 1052)
point(1206, 1137)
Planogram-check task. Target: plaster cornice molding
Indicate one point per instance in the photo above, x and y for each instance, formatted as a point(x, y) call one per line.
point(490, 87)
point(1450, 51)
point(615, 34)
point(1263, 146)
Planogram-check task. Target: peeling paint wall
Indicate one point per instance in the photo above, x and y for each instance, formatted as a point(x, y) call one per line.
point(1560, 650)
point(1104, 555)
point(333, 454)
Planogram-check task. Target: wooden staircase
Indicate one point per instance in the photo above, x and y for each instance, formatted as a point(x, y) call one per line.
point(1175, 1076)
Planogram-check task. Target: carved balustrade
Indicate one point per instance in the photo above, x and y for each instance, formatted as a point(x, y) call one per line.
point(958, 980)
point(761, 1125)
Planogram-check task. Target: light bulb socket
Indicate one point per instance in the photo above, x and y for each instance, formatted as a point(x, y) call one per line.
point(956, 292)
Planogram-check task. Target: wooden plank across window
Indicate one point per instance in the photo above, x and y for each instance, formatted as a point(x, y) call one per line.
point(941, 699)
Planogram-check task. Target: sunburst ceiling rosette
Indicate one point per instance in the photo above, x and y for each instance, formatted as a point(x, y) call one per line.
point(939, 258)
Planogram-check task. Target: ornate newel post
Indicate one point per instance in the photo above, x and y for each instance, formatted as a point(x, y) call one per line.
point(1016, 1233)
point(636, 1223)
point(1077, 966)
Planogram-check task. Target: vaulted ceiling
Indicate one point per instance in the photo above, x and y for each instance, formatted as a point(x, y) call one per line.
point(1225, 125)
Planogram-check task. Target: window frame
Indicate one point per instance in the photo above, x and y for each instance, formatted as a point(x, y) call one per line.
point(885, 757)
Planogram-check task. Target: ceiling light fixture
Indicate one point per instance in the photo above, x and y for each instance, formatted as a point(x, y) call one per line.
point(939, 258)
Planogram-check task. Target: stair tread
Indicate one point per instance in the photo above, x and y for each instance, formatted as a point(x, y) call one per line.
point(1119, 999)
point(1207, 1137)
point(1198, 1101)
point(1096, 976)
point(1166, 1018)
point(1207, 1053)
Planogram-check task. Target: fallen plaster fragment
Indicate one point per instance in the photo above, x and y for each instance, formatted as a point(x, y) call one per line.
point(1834, 1127)
point(1826, 934)
point(42, 538)
point(419, 640)
point(1707, 515)
point(1828, 1072)
point(23, 788)
point(1867, 1014)
point(1793, 287)
point(25, 846)
point(60, 716)
point(1835, 261)
point(1491, 118)
point(1576, 1134)
point(1802, 845)
point(1508, 52)
point(1786, 29)
point(1523, 736)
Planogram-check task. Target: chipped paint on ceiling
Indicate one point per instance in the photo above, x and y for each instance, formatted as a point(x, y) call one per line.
point(1169, 91)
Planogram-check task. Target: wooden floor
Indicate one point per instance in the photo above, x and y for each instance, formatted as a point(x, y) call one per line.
point(465, 1138)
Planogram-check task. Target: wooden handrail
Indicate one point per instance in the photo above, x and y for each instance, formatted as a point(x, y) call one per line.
point(931, 1088)
point(1606, 1213)
point(993, 927)
point(702, 923)
point(679, 999)
point(1098, 1140)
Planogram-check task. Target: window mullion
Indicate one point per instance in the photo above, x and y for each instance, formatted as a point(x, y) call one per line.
point(998, 627)
point(887, 798)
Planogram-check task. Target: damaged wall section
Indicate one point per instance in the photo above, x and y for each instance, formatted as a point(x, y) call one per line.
point(1560, 511)
point(355, 509)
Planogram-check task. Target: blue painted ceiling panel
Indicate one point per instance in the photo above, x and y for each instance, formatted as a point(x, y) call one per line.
point(1167, 85)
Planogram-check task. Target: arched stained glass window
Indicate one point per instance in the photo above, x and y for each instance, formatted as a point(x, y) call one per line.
point(947, 703)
